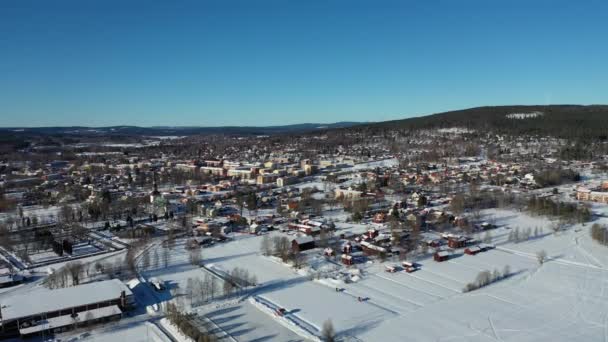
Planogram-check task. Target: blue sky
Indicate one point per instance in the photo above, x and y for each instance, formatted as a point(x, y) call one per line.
point(258, 62)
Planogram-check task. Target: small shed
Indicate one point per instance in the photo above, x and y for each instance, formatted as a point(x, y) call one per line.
point(472, 250)
point(347, 259)
point(302, 243)
point(433, 243)
point(441, 256)
point(457, 242)
point(409, 266)
point(486, 247)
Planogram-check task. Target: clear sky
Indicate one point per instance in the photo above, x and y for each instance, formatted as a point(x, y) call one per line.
point(259, 62)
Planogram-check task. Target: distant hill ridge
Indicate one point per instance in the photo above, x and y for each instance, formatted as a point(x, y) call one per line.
point(567, 121)
point(178, 130)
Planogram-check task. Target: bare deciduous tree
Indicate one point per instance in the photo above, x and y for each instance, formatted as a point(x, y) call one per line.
point(328, 333)
point(266, 246)
point(541, 257)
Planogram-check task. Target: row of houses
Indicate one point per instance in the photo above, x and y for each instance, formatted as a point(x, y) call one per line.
point(598, 194)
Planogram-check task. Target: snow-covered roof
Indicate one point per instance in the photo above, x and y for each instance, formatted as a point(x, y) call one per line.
point(65, 320)
point(303, 239)
point(9, 278)
point(42, 299)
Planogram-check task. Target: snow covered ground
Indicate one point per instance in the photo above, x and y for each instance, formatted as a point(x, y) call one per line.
point(562, 300)
point(244, 322)
point(565, 299)
point(117, 332)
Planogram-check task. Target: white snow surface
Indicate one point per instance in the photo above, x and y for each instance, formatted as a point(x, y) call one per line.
point(562, 300)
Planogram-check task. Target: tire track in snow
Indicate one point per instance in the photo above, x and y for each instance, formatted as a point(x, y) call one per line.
point(557, 261)
point(467, 266)
point(493, 329)
point(461, 283)
point(376, 305)
point(418, 305)
point(436, 283)
point(606, 328)
point(592, 260)
point(409, 287)
point(499, 299)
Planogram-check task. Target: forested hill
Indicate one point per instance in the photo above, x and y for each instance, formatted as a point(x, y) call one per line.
point(568, 121)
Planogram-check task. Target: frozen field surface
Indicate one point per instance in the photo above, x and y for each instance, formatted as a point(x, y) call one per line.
point(563, 300)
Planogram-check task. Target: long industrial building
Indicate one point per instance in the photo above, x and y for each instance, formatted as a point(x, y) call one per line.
point(44, 310)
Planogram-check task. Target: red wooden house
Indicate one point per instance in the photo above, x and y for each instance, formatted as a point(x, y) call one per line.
point(472, 250)
point(441, 256)
point(347, 259)
point(457, 242)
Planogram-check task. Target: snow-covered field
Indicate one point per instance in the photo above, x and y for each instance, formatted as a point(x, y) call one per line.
point(565, 299)
point(137, 332)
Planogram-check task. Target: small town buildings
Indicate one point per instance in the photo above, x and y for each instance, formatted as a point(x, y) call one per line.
point(284, 181)
point(348, 193)
point(371, 249)
point(584, 194)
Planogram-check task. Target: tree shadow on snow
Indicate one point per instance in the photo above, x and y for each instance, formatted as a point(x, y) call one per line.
point(241, 332)
point(232, 326)
point(221, 320)
point(223, 311)
point(264, 338)
point(360, 329)
point(227, 257)
point(279, 284)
